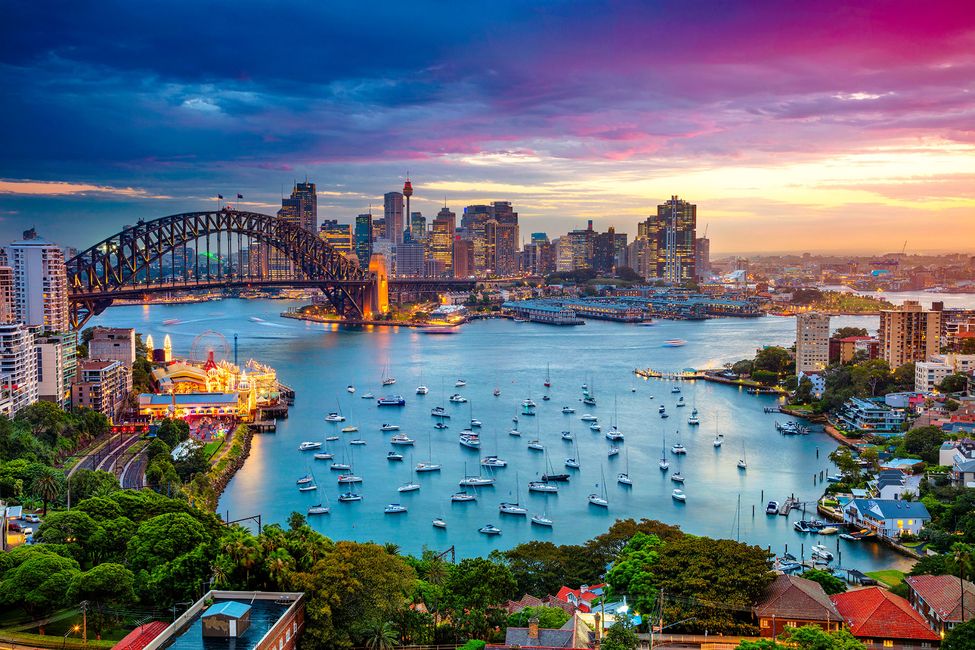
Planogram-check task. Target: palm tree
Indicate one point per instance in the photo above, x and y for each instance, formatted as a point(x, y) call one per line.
point(963, 556)
point(47, 486)
point(391, 548)
point(381, 636)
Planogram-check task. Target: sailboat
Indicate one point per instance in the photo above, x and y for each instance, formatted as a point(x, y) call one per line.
point(428, 466)
point(550, 474)
point(387, 379)
point(614, 433)
point(600, 500)
point(743, 461)
point(493, 460)
point(351, 428)
point(411, 485)
point(677, 477)
point(548, 376)
point(475, 480)
point(678, 448)
point(624, 477)
point(574, 461)
point(422, 388)
point(307, 483)
point(513, 507)
point(542, 520)
point(320, 508)
point(475, 423)
point(664, 464)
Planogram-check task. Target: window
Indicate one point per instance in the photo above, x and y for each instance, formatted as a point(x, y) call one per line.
point(766, 623)
point(900, 523)
point(888, 643)
point(791, 624)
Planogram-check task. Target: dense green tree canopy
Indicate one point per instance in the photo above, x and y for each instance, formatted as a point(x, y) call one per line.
point(162, 539)
point(38, 580)
point(551, 618)
point(774, 359)
point(961, 637)
point(632, 573)
point(830, 583)
point(954, 383)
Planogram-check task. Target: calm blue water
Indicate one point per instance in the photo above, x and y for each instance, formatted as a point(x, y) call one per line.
point(320, 361)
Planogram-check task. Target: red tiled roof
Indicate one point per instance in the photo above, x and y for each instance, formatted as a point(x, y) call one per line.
point(943, 595)
point(141, 636)
point(798, 598)
point(874, 613)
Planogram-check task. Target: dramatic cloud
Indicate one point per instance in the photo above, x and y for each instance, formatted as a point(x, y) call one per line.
point(572, 110)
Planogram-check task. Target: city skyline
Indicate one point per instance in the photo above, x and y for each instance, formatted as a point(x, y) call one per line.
point(783, 119)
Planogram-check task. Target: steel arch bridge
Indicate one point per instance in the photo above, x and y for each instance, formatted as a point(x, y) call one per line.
point(130, 264)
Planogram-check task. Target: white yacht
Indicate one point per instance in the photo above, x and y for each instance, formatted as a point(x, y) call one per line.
point(536, 445)
point(718, 440)
point(489, 529)
point(506, 508)
point(541, 520)
point(408, 487)
point(428, 467)
point(324, 455)
point(568, 409)
point(614, 434)
point(439, 522)
point(308, 445)
point(318, 509)
point(462, 497)
point(678, 495)
point(394, 509)
point(346, 497)
point(334, 417)
point(475, 481)
point(493, 461)
point(678, 449)
point(588, 417)
point(307, 488)
point(389, 427)
point(543, 487)
point(401, 439)
point(694, 420)
point(304, 480)
point(457, 398)
point(357, 441)
point(422, 390)
point(367, 395)
point(460, 383)
point(350, 388)
point(349, 478)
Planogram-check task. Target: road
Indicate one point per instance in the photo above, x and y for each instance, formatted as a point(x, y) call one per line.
point(134, 472)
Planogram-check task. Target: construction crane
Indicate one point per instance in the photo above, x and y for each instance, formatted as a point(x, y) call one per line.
point(904, 249)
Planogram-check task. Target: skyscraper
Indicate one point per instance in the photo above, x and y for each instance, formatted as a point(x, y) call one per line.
point(393, 216)
point(909, 333)
point(337, 235)
point(463, 255)
point(301, 208)
point(812, 342)
point(501, 247)
point(363, 239)
point(441, 244)
point(670, 236)
point(608, 250)
point(702, 258)
point(418, 226)
point(40, 283)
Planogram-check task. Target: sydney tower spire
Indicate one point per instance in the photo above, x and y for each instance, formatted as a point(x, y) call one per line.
point(408, 192)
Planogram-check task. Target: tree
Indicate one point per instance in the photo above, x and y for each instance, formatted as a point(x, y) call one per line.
point(845, 332)
point(954, 383)
point(765, 377)
point(775, 359)
point(743, 367)
point(960, 637)
point(86, 483)
point(381, 636)
point(804, 391)
point(810, 637)
point(47, 486)
point(924, 442)
point(103, 586)
point(871, 377)
point(542, 568)
point(162, 539)
point(549, 618)
point(628, 274)
point(847, 463)
point(173, 431)
point(38, 581)
point(632, 573)
point(620, 636)
point(68, 527)
point(830, 583)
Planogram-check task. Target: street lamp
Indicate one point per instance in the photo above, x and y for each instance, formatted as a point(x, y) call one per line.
point(74, 629)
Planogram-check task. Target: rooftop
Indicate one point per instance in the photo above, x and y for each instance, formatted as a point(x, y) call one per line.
point(875, 612)
point(796, 598)
point(892, 508)
point(188, 398)
point(943, 594)
point(230, 608)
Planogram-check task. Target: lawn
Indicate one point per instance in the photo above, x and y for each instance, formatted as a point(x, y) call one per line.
point(211, 448)
point(890, 577)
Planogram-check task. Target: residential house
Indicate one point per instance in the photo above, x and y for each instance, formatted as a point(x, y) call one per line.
point(515, 606)
point(870, 416)
point(894, 484)
point(583, 597)
point(888, 518)
point(791, 602)
point(574, 634)
point(940, 601)
point(877, 617)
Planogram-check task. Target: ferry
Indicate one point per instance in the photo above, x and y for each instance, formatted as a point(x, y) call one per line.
point(674, 343)
point(394, 509)
point(462, 497)
point(401, 439)
point(345, 497)
point(427, 467)
point(395, 400)
point(308, 445)
point(678, 495)
point(541, 520)
point(489, 529)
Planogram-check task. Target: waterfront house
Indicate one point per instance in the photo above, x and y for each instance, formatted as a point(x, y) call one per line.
point(940, 600)
point(790, 602)
point(878, 618)
point(894, 484)
point(817, 379)
point(870, 416)
point(888, 518)
point(959, 455)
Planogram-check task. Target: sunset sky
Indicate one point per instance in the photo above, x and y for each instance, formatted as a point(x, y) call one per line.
point(794, 126)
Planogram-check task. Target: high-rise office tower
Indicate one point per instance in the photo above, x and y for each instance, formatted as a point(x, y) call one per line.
point(363, 239)
point(40, 283)
point(812, 342)
point(463, 258)
point(301, 208)
point(418, 226)
point(337, 235)
point(501, 247)
point(409, 259)
point(538, 256)
point(393, 216)
point(670, 236)
point(702, 258)
point(608, 251)
point(441, 244)
point(909, 333)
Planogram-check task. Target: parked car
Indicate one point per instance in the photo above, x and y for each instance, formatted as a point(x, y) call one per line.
point(28, 531)
point(32, 518)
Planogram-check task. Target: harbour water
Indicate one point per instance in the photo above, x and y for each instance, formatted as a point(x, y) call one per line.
point(320, 361)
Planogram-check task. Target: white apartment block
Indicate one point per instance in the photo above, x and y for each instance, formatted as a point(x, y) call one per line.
point(40, 284)
point(18, 365)
point(812, 342)
point(928, 374)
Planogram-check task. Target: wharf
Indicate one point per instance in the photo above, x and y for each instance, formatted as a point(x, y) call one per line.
point(264, 426)
point(788, 505)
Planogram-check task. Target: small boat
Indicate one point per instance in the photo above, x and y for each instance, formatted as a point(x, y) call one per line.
point(596, 428)
point(821, 552)
point(394, 509)
point(367, 396)
point(664, 464)
point(462, 497)
point(614, 434)
point(829, 530)
point(548, 376)
point(535, 445)
point(324, 455)
point(440, 425)
point(661, 409)
point(470, 440)
point(401, 439)
point(678, 495)
point(588, 418)
point(718, 440)
point(438, 522)
point(664, 415)
point(308, 445)
point(475, 481)
point(543, 487)
point(489, 529)
point(318, 509)
point(304, 480)
point(550, 477)
point(600, 499)
point(849, 537)
point(572, 462)
point(350, 429)
point(613, 451)
point(681, 402)
point(693, 420)
point(528, 403)
point(834, 478)
point(428, 467)
point(674, 343)
point(541, 520)
point(345, 497)
point(567, 435)
point(307, 488)
point(514, 432)
point(497, 392)
point(743, 461)
point(349, 478)
point(493, 461)
point(422, 390)
point(677, 477)
point(389, 381)
point(389, 427)
point(357, 441)
point(340, 467)
point(331, 438)
point(475, 423)
point(512, 507)
point(350, 388)
point(408, 487)
point(772, 508)
point(694, 411)
point(393, 400)
point(623, 477)
point(334, 417)
point(457, 398)
point(675, 388)
point(394, 457)
point(589, 400)
point(678, 449)
point(568, 409)
point(460, 383)
point(546, 398)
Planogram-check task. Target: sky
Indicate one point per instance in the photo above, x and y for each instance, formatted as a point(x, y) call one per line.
point(794, 126)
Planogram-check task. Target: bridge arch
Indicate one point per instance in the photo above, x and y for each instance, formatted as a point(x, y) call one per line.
point(123, 265)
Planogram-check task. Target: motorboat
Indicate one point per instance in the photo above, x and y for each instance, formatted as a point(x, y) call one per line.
point(334, 417)
point(457, 398)
point(394, 457)
point(489, 529)
point(568, 409)
point(821, 552)
point(567, 435)
point(304, 480)
point(422, 390)
point(497, 392)
point(349, 478)
point(829, 530)
point(543, 487)
point(470, 440)
point(318, 509)
point(394, 509)
point(346, 497)
point(595, 428)
point(462, 497)
point(675, 388)
point(389, 427)
point(393, 400)
point(493, 461)
point(324, 455)
point(665, 415)
point(541, 520)
point(340, 467)
point(678, 449)
point(438, 522)
point(428, 467)
point(307, 488)
point(772, 508)
point(528, 403)
point(694, 420)
point(514, 432)
point(475, 481)
point(350, 388)
point(439, 412)
point(589, 400)
point(677, 477)
point(681, 402)
point(661, 409)
point(331, 438)
point(440, 425)
point(460, 383)
point(614, 434)
point(674, 343)
point(308, 445)
point(588, 418)
point(350, 429)
point(506, 508)
point(535, 445)
point(408, 487)
point(401, 439)
point(834, 478)
point(572, 462)
point(742, 463)
point(475, 423)
point(357, 441)
point(367, 396)
point(678, 495)
point(613, 451)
